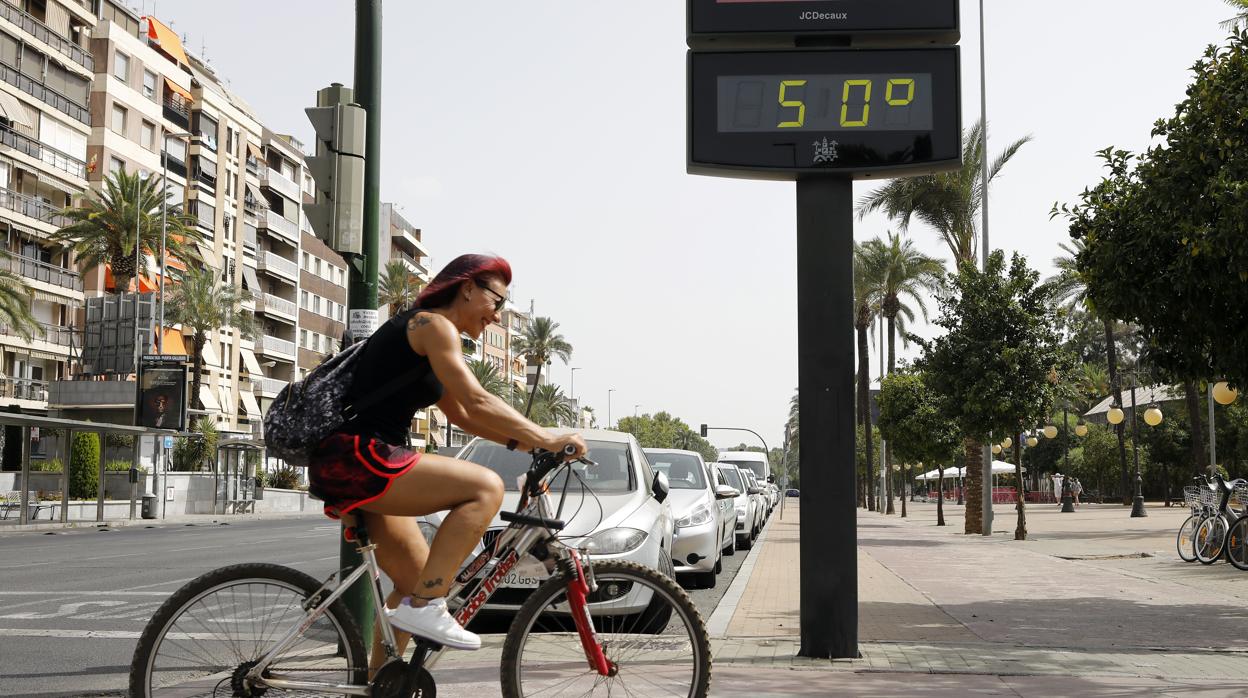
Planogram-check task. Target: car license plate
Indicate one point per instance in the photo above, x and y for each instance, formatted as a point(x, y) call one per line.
point(527, 574)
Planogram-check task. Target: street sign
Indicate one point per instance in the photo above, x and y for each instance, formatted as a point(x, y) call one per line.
point(856, 112)
point(847, 22)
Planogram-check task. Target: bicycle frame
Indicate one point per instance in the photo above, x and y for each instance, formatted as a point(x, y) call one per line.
point(516, 541)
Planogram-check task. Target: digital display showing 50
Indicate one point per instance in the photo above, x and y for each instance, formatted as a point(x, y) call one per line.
point(872, 102)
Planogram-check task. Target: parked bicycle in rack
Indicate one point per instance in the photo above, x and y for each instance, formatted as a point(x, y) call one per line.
point(1218, 524)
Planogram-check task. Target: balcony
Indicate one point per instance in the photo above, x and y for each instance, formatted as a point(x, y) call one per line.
point(32, 207)
point(277, 223)
point(416, 267)
point(177, 111)
point(272, 346)
point(40, 151)
point(405, 238)
point(280, 183)
point(23, 388)
point(52, 334)
point(36, 270)
point(42, 92)
point(42, 32)
point(279, 307)
point(267, 387)
point(278, 265)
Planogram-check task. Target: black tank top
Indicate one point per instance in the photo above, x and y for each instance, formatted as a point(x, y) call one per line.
point(387, 357)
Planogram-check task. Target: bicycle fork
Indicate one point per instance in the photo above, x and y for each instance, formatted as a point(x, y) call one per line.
point(580, 586)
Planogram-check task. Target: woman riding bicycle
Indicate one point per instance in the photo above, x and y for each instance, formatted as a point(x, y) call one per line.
point(366, 469)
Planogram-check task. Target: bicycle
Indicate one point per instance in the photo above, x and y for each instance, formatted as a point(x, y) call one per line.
point(1201, 500)
point(590, 627)
point(1237, 534)
point(1211, 535)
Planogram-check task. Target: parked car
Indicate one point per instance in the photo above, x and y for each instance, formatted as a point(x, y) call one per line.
point(760, 501)
point(703, 522)
point(752, 461)
point(743, 504)
point(729, 506)
point(793, 493)
point(626, 516)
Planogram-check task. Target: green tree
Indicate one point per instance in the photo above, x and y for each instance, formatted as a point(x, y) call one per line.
point(203, 304)
point(1240, 20)
point(15, 302)
point(84, 466)
point(900, 276)
point(102, 229)
point(550, 407)
point(913, 421)
point(194, 452)
point(540, 343)
point(488, 377)
point(662, 430)
point(792, 446)
point(949, 201)
point(397, 288)
point(996, 367)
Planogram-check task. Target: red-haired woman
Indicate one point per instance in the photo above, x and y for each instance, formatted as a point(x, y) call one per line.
point(366, 468)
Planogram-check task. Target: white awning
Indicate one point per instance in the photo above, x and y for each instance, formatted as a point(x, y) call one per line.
point(13, 110)
point(250, 362)
point(210, 354)
point(250, 405)
point(207, 252)
point(249, 278)
point(206, 397)
point(227, 400)
point(439, 439)
point(1144, 395)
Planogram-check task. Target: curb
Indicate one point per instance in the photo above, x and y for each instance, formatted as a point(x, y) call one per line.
point(12, 529)
point(717, 627)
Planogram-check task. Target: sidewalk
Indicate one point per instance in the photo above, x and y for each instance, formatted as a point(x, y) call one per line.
point(1094, 603)
point(171, 520)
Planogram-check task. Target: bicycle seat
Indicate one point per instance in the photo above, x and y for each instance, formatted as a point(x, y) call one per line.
point(1229, 485)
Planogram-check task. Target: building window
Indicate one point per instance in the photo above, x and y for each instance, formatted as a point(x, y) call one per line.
point(116, 165)
point(303, 338)
point(307, 261)
point(121, 66)
point(149, 84)
point(316, 266)
point(303, 300)
point(119, 119)
point(148, 136)
point(316, 304)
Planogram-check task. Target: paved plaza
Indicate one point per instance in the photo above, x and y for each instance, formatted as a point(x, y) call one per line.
point(1093, 603)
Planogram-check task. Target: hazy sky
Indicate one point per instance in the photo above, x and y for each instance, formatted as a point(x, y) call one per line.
point(553, 134)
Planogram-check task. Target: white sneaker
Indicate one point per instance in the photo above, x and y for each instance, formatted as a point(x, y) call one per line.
point(433, 622)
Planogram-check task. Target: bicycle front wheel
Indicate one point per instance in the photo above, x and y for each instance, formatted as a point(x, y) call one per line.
point(1210, 537)
point(648, 626)
point(1237, 543)
point(1186, 541)
point(205, 638)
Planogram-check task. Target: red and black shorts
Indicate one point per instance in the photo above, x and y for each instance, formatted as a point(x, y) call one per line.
point(350, 470)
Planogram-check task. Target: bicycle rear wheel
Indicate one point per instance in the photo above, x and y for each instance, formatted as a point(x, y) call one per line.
point(204, 638)
point(1186, 540)
point(648, 626)
point(1237, 543)
point(1210, 538)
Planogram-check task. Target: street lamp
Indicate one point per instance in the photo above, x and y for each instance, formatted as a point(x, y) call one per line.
point(1081, 429)
point(1222, 394)
point(1050, 431)
point(1115, 415)
point(1032, 441)
point(996, 449)
point(1152, 416)
point(1007, 442)
point(164, 209)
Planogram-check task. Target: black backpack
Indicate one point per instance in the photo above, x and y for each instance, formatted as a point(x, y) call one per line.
point(306, 412)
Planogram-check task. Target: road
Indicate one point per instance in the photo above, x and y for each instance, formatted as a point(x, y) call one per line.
point(73, 602)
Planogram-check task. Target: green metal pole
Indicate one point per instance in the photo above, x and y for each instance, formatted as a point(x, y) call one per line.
point(362, 289)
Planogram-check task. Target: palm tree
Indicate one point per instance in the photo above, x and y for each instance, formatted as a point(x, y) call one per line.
point(864, 318)
point(539, 343)
point(899, 275)
point(1068, 286)
point(15, 302)
point(488, 377)
point(948, 201)
point(397, 287)
point(1240, 20)
point(792, 446)
point(102, 230)
point(551, 408)
point(202, 304)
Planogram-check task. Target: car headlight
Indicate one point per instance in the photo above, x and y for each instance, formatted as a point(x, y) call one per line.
point(428, 530)
point(615, 541)
point(697, 517)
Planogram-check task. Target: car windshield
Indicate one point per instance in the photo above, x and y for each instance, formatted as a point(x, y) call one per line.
point(734, 479)
point(684, 472)
point(757, 467)
point(614, 472)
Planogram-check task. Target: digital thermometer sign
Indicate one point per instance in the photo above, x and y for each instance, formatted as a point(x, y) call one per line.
point(777, 114)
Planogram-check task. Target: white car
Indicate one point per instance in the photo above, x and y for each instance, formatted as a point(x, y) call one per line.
point(702, 523)
point(743, 503)
point(623, 515)
point(761, 501)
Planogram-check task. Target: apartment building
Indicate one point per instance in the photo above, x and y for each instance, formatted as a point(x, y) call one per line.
point(46, 69)
point(322, 302)
point(400, 240)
